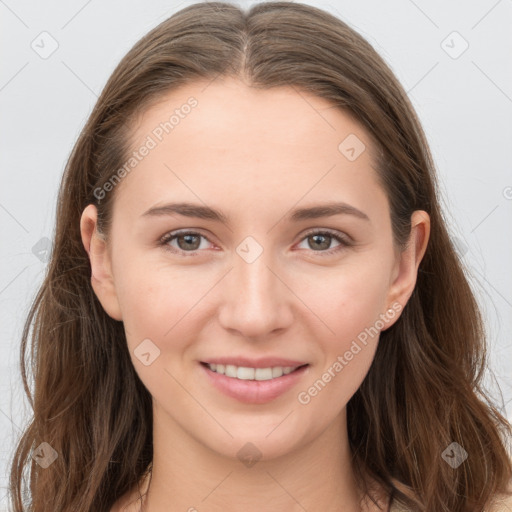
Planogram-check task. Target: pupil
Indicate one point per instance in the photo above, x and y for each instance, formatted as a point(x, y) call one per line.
point(325, 237)
point(187, 239)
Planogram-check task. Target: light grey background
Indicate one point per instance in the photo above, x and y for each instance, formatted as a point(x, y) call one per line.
point(464, 101)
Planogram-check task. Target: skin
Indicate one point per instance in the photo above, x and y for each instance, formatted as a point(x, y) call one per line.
point(255, 155)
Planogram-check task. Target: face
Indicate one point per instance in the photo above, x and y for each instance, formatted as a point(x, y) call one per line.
point(252, 274)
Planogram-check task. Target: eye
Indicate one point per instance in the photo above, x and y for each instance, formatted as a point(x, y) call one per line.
point(188, 242)
point(321, 239)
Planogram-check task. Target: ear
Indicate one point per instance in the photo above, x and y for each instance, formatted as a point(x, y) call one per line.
point(102, 279)
point(406, 268)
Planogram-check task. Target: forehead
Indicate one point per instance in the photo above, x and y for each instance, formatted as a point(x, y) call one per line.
point(229, 107)
point(226, 142)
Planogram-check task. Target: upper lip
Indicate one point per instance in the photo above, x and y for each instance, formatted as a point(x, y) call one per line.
point(264, 362)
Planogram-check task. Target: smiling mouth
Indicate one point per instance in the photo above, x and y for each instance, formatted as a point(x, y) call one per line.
point(248, 373)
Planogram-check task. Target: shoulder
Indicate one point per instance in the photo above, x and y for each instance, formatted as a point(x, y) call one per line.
point(501, 503)
point(397, 507)
point(127, 503)
point(130, 502)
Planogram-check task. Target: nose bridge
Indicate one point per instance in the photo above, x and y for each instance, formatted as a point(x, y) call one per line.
point(256, 301)
point(255, 283)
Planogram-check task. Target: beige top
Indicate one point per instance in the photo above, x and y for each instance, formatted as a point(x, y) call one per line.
point(501, 505)
point(504, 506)
point(131, 502)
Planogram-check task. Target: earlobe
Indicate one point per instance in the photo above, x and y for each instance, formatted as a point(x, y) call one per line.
point(406, 275)
point(102, 279)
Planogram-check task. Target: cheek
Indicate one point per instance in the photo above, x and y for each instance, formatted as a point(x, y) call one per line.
point(350, 304)
point(158, 318)
point(159, 302)
point(329, 390)
point(350, 309)
point(347, 299)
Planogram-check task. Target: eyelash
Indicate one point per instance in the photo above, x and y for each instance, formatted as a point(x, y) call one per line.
point(168, 237)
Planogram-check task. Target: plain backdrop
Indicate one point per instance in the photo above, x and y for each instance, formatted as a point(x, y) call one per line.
point(453, 59)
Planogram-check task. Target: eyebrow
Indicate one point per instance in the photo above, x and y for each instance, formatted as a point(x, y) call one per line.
point(209, 213)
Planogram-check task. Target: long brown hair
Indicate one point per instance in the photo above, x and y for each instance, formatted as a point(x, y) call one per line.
point(423, 390)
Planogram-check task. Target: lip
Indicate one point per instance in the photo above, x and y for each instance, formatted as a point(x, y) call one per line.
point(255, 391)
point(263, 362)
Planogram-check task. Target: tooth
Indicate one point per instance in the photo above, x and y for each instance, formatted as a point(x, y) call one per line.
point(230, 370)
point(277, 371)
point(263, 373)
point(244, 373)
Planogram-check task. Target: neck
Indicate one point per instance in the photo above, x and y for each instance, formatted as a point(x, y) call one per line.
point(188, 476)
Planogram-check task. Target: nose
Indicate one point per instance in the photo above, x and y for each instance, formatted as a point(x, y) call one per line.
point(256, 301)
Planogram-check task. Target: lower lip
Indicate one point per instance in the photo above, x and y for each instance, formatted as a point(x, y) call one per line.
point(254, 391)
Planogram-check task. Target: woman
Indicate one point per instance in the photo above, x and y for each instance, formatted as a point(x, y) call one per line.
point(253, 302)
